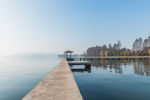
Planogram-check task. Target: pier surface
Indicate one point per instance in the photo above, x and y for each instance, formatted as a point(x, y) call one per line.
point(79, 63)
point(59, 84)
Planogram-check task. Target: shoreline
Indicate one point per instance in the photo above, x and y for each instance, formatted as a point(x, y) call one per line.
point(113, 57)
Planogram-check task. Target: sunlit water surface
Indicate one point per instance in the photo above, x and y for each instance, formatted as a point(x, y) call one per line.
point(114, 80)
point(19, 74)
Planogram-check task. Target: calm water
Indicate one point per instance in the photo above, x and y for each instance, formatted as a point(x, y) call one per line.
point(104, 80)
point(114, 80)
point(19, 74)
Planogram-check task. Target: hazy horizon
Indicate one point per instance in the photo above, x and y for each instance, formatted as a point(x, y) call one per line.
point(55, 26)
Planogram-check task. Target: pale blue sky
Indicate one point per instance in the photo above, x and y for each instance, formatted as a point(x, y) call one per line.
point(58, 25)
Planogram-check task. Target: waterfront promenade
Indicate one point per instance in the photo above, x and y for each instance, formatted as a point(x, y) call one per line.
point(59, 84)
point(110, 57)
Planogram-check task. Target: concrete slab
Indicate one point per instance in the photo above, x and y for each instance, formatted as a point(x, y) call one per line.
point(59, 84)
point(87, 63)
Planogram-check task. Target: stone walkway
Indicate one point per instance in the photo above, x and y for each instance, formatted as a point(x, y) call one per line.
point(59, 84)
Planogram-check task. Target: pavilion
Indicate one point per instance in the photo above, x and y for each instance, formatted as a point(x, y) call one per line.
point(68, 52)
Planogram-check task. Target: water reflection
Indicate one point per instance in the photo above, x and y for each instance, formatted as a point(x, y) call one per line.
point(80, 69)
point(140, 67)
point(115, 80)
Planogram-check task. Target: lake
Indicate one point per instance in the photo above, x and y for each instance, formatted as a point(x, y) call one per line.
point(104, 80)
point(114, 80)
point(20, 73)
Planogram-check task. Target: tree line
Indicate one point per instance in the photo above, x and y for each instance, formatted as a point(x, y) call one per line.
point(139, 48)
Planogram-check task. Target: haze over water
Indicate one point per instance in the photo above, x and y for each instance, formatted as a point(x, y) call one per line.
point(19, 74)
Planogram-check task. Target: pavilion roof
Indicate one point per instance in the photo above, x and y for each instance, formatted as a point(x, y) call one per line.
point(68, 51)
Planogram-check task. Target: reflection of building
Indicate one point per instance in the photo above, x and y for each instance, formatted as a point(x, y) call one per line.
point(118, 69)
point(142, 67)
point(111, 64)
point(138, 68)
point(147, 70)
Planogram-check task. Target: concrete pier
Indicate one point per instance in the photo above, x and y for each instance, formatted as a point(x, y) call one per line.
point(85, 58)
point(59, 84)
point(86, 63)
